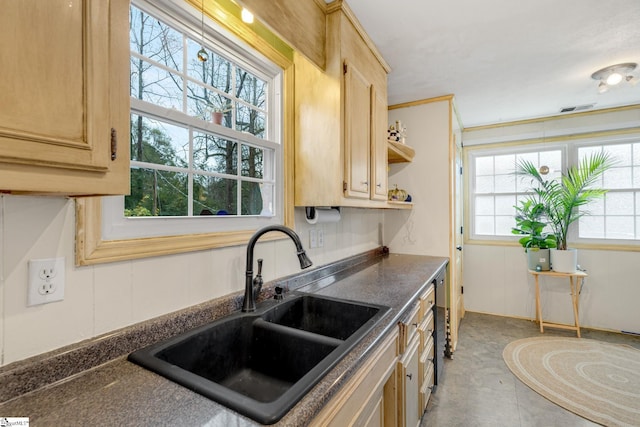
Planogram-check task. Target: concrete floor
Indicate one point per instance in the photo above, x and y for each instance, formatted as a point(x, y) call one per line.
point(479, 390)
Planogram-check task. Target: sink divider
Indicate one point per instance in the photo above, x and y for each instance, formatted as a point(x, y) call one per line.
point(321, 339)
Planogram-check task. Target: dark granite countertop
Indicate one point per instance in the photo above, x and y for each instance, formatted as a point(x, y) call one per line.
point(120, 393)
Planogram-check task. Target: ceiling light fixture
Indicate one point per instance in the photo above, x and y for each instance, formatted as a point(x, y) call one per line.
point(613, 75)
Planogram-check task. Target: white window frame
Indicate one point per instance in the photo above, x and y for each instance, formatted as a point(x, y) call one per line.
point(569, 148)
point(186, 19)
point(497, 151)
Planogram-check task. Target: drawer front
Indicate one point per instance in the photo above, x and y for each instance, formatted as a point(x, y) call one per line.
point(426, 329)
point(427, 386)
point(427, 300)
point(409, 327)
point(426, 359)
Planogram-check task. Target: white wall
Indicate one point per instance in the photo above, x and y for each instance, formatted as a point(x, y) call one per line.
point(99, 299)
point(495, 277)
point(496, 281)
point(424, 230)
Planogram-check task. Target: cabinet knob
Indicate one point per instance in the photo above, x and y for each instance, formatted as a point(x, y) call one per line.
point(410, 376)
point(379, 185)
point(415, 324)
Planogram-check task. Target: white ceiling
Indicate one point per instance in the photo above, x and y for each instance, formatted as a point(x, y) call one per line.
point(504, 60)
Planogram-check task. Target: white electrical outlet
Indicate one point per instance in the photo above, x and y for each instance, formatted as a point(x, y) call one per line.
point(46, 281)
point(313, 238)
point(320, 237)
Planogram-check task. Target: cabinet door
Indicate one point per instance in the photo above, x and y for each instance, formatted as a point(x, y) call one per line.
point(409, 405)
point(379, 123)
point(58, 58)
point(357, 140)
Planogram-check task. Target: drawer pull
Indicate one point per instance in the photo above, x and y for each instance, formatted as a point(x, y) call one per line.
point(415, 324)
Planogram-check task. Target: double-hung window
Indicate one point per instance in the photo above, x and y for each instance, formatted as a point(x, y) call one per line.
point(615, 217)
point(206, 113)
point(495, 190)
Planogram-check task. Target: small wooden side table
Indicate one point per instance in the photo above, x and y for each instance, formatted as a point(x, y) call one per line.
point(574, 279)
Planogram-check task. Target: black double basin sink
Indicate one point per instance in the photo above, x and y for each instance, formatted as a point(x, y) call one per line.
point(261, 364)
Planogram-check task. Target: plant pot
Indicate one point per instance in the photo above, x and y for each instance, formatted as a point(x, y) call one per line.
point(538, 257)
point(216, 117)
point(565, 261)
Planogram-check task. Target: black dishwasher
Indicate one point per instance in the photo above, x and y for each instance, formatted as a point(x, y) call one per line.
point(440, 319)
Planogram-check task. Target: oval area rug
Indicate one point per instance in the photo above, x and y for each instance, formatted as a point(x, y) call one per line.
point(596, 380)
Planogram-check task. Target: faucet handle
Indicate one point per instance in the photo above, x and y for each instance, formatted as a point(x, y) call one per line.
point(259, 266)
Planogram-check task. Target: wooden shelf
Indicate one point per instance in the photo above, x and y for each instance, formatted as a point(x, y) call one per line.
point(399, 153)
point(399, 205)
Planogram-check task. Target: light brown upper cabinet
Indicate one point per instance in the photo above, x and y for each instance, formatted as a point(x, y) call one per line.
point(64, 118)
point(341, 120)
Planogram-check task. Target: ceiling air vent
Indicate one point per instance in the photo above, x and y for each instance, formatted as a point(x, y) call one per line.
point(576, 108)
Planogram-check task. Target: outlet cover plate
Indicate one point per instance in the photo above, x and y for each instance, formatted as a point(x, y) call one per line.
point(46, 281)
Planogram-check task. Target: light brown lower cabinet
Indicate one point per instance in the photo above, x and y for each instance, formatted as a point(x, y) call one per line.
point(409, 411)
point(369, 398)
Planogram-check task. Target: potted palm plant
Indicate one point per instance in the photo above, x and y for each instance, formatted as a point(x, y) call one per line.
point(564, 200)
point(531, 224)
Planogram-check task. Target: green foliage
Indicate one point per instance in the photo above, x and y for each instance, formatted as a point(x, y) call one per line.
point(562, 199)
point(531, 222)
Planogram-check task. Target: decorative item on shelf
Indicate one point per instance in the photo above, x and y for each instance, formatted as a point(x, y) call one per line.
point(398, 195)
point(397, 133)
point(216, 111)
point(530, 223)
point(564, 200)
point(216, 117)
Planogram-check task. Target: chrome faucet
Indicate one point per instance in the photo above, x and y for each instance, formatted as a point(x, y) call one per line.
point(250, 294)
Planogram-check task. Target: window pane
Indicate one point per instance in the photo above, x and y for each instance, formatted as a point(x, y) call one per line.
point(250, 89)
point(621, 154)
point(216, 195)
point(636, 154)
point(484, 225)
point(250, 120)
point(618, 178)
point(155, 85)
point(153, 141)
point(202, 102)
point(251, 198)
point(505, 183)
point(504, 205)
point(553, 160)
point(619, 203)
point(484, 166)
point(215, 71)
point(252, 162)
point(484, 184)
point(620, 227)
point(214, 154)
point(505, 164)
point(484, 205)
point(504, 225)
point(591, 227)
point(155, 40)
point(596, 207)
point(157, 193)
